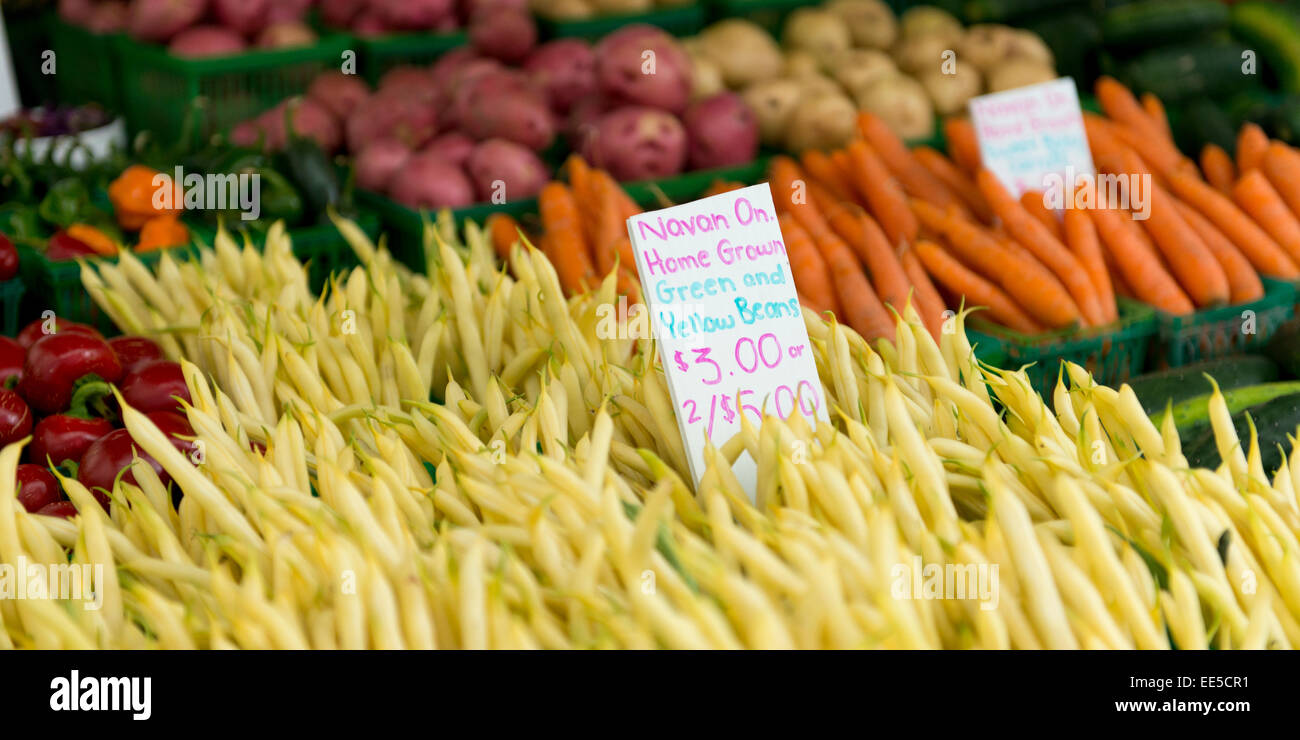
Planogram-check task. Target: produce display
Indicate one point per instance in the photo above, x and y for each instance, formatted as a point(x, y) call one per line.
point(198, 28)
point(855, 55)
point(222, 413)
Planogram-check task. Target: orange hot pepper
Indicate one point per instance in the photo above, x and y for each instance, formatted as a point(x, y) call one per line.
point(161, 232)
point(138, 195)
point(97, 240)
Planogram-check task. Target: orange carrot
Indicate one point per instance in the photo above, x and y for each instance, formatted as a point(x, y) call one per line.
point(1124, 109)
point(1081, 238)
point(812, 276)
point(564, 240)
point(882, 193)
point(1161, 159)
point(1218, 168)
point(1282, 166)
point(977, 291)
point(721, 186)
point(1035, 237)
point(1156, 110)
point(1252, 143)
point(862, 308)
point(1265, 254)
point(963, 144)
point(504, 232)
point(1032, 200)
point(1019, 273)
point(864, 236)
point(915, 179)
point(844, 166)
point(609, 226)
point(1261, 202)
point(925, 297)
point(1243, 281)
point(1138, 266)
point(1187, 256)
point(820, 167)
point(628, 284)
point(957, 181)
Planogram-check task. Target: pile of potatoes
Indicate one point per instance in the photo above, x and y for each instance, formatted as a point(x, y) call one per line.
point(849, 55)
point(572, 10)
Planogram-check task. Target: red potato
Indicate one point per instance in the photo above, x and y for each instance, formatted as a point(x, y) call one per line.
point(339, 93)
point(565, 69)
point(76, 12)
point(288, 10)
point(379, 162)
point(644, 68)
point(310, 120)
point(412, 15)
point(503, 171)
point(523, 120)
point(369, 25)
point(508, 35)
point(445, 70)
point(160, 20)
point(453, 146)
point(340, 13)
point(637, 143)
point(411, 82)
point(475, 87)
point(583, 119)
point(206, 41)
point(722, 131)
point(244, 16)
point(391, 117)
point(625, 34)
point(428, 181)
point(248, 134)
point(108, 17)
point(286, 35)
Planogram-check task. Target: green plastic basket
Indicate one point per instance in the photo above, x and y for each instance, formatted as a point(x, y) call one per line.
point(88, 65)
point(1216, 332)
point(404, 226)
point(681, 21)
point(690, 185)
point(382, 53)
point(11, 296)
point(1112, 353)
point(321, 246)
point(56, 286)
point(157, 88)
point(769, 14)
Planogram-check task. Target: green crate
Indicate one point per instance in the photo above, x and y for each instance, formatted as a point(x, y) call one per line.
point(56, 286)
point(404, 226)
point(157, 88)
point(11, 295)
point(687, 186)
point(321, 246)
point(686, 20)
point(1112, 353)
point(89, 70)
point(382, 53)
point(1216, 332)
point(769, 14)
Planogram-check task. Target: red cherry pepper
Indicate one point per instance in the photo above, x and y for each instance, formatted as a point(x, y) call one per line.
point(39, 328)
point(63, 247)
point(156, 387)
point(112, 453)
point(61, 509)
point(57, 363)
point(15, 417)
point(37, 487)
point(11, 361)
point(135, 352)
point(63, 437)
point(8, 259)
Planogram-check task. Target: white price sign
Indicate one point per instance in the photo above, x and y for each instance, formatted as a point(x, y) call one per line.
point(727, 319)
point(1033, 137)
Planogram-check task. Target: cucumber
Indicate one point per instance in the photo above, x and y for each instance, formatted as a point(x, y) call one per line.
point(1154, 22)
point(1159, 389)
point(996, 11)
point(1203, 122)
point(1073, 37)
point(1274, 421)
point(1192, 416)
point(1273, 31)
point(1284, 348)
point(1177, 73)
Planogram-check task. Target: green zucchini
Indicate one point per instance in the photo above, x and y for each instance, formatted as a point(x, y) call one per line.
point(1284, 348)
point(1273, 31)
point(1193, 415)
point(1154, 22)
point(1159, 389)
point(1202, 122)
point(1073, 37)
point(1177, 73)
point(1274, 421)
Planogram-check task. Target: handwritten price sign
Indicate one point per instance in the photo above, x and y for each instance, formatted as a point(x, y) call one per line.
point(1029, 135)
point(724, 310)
